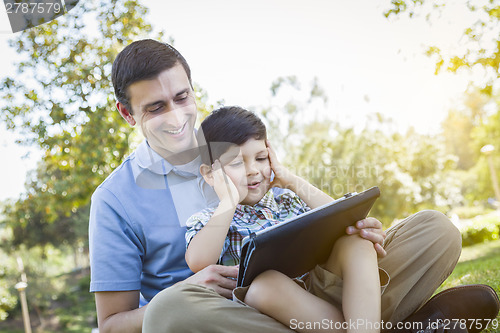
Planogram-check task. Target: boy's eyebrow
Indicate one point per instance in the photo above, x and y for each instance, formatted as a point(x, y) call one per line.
point(183, 91)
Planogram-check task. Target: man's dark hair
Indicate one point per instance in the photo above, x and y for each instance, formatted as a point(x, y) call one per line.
point(143, 60)
point(225, 127)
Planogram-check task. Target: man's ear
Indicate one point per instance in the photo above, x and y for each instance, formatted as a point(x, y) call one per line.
point(206, 172)
point(125, 113)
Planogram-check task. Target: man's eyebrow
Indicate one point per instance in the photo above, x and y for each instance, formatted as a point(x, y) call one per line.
point(183, 91)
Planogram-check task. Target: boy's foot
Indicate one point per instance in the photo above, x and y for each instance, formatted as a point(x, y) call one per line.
point(469, 308)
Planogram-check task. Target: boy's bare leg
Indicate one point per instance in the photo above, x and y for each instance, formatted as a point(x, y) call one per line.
point(355, 261)
point(276, 295)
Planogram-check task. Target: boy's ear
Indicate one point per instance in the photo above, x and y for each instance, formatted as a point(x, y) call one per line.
point(125, 113)
point(206, 172)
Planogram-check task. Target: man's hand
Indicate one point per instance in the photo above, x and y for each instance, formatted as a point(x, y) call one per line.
point(220, 278)
point(370, 229)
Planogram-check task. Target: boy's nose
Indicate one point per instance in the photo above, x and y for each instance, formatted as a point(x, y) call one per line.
point(251, 169)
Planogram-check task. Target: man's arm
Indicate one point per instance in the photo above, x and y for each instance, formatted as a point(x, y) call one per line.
point(118, 311)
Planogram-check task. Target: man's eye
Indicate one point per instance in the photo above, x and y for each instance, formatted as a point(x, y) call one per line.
point(156, 109)
point(182, 97)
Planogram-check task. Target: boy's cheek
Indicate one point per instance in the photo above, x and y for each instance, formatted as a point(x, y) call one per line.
point(268, 171)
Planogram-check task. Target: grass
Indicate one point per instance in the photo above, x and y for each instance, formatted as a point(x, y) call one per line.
point(479, 263)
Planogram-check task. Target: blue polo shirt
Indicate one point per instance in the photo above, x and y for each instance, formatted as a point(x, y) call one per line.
point(137, 223)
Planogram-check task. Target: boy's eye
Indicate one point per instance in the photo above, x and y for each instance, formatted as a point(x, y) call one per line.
point(261, 159)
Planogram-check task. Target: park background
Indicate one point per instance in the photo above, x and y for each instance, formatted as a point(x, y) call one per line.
point(402, 95)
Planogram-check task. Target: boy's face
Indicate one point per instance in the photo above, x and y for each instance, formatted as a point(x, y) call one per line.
point(250, 170)
point(165, 109)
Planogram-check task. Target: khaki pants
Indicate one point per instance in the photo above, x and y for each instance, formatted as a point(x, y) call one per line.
point(422, 251)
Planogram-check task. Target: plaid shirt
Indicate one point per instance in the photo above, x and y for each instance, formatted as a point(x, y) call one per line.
point(272, 209)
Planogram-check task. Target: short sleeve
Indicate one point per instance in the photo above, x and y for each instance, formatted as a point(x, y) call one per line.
point(196, 222)
point(116, 250)
point(291, 204)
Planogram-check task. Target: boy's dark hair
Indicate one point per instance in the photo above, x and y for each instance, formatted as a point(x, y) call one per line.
point(143, 60)
point(225, 127)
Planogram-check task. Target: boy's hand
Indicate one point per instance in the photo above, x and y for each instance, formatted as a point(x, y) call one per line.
point(370, 229)
point(224, 186)
point(282, 176)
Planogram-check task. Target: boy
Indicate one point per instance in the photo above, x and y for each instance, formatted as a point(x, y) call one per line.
point(242, 160)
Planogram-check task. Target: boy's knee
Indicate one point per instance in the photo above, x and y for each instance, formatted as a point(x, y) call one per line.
point(352, 245)
point(348, 249)
point(263, 289)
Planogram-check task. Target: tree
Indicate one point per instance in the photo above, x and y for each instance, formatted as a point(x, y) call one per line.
point(458, 126)
point(61, 100)
point(482, 37)
point(478, 122)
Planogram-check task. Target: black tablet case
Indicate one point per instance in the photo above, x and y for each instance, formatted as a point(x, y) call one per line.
point(297, 245)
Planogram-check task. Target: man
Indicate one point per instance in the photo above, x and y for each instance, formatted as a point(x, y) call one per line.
point(138, 215)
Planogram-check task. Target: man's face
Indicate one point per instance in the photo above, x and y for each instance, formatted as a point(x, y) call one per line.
point(165, 109)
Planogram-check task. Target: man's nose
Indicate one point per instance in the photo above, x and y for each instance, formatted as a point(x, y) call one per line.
point(175, 117)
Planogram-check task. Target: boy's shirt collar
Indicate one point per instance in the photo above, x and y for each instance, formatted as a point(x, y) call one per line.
point(267, 201)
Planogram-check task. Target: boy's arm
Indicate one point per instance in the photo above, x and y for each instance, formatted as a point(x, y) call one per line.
point(311, 195)
point(206, 246)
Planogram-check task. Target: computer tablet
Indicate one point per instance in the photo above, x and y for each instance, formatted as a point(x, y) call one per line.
point(297, 245)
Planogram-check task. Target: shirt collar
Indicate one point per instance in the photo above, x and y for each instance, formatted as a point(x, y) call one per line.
point(267, 201)
point(147, 158)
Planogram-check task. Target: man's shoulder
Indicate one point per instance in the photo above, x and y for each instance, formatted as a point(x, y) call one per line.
point(120, 178)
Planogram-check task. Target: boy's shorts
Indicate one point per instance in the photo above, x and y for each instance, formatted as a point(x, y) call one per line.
point(321, 283)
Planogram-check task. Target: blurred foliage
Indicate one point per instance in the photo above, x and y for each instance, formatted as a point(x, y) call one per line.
point(8, 299)
point(480, 229)
point(413, 171)
point(61, 100)
point(46, 270)
point(482, 38)
point(477, 122)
